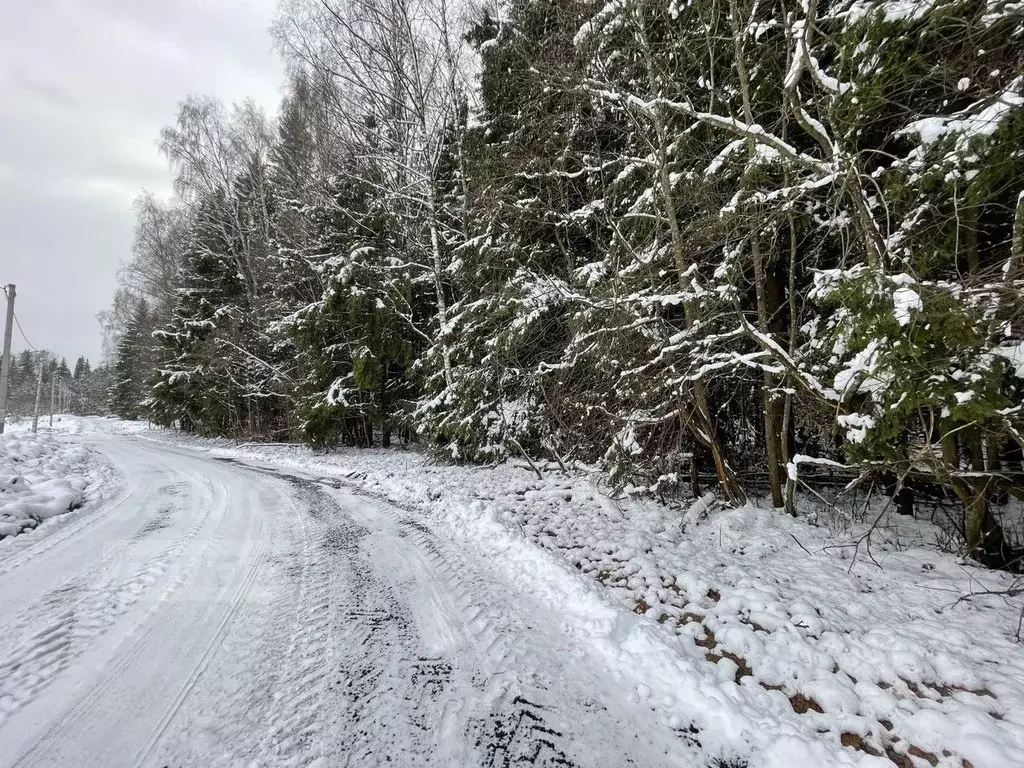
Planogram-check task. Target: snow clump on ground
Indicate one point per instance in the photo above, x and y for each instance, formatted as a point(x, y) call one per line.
point(40, 478)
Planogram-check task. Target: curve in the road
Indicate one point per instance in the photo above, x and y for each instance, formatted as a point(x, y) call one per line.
point(224, 615)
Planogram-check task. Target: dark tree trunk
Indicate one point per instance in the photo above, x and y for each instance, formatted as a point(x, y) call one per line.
point(694, 475)
point(384, 407)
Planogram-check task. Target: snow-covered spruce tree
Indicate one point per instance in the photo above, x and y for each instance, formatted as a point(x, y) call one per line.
point(770, 136)
point(219, 374)
point(682, 259)
point(193, 387)
point(23, 372)
point(816, 150)
point(520, 174)
point(354, 339)
point(213, 376)
point(398, 76)
point(61, 369)
point(82, 368)
point(22, 384)
point(91, 393)
point(923, 354)
point(297, 172)
point(131, 364)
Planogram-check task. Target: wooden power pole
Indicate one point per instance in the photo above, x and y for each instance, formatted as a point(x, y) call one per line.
point(39, 393)
point(53, 394)
point(5, 368)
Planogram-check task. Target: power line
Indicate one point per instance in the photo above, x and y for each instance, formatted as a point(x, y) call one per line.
point(17, 322)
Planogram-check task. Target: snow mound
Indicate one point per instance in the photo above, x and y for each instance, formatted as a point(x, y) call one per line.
point(39, 479)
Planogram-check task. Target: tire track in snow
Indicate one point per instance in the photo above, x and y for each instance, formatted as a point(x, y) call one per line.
point(492, 703)
point(292, 737)
point(357, 688)
point(222, 621)
point(351, 686)
point(97, 611)
point(245, 687)
point(516, 731)
point(163, 517)
point(522, 687)
point(384, 680)
point(407, 648)
point(87, 607)
point(48, 651)
point(521, 737)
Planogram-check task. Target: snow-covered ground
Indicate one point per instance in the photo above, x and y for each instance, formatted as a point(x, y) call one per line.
point(217, 615)
point(41, 477)
point(263, 605)
point(780, 641)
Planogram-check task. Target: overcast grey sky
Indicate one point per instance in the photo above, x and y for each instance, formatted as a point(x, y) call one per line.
point(85, 86)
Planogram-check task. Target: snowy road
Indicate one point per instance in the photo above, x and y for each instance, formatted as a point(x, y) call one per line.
point(213, 614)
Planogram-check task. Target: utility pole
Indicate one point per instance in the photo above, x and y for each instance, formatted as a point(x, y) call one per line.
point(5, 368)
point(53, 394)
point(39, 393)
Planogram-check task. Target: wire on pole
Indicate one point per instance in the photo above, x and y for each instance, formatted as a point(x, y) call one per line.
point(17, 322)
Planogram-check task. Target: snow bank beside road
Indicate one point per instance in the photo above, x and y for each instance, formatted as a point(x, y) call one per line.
point(40, 478)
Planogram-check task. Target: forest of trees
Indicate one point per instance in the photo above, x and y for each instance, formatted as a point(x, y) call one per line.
point(726, 239)
point(81, 390)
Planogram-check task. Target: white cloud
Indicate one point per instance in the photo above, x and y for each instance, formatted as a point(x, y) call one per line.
point(86, 88)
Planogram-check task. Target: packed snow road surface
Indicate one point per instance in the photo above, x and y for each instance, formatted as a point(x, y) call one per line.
point(214, 614)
